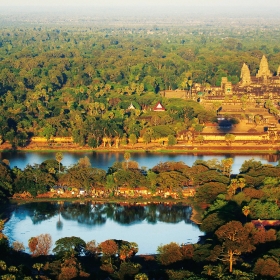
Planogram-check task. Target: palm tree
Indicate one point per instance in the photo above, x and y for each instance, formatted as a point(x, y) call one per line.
point(241, 183)
point(219, 271)
point(208, 270)
point(127, 157)
point(233, 186)
point(59, 157)
point(227, 165)
point(246, 211)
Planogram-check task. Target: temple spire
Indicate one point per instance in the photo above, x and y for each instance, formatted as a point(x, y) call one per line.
point(264, 71)
point(245, 75)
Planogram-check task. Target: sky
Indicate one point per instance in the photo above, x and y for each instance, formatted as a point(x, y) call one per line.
point(219, 3)
point(146, 7)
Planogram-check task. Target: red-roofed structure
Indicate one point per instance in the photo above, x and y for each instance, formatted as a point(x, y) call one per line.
point(158, 107)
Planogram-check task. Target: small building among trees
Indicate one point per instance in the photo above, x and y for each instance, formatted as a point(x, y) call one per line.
point(158, 107)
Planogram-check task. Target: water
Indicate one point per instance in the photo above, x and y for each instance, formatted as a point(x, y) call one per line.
point(147, 225)
point(105, 160)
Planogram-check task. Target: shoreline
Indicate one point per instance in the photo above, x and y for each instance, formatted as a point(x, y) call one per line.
point(182, 147)
point(171, 150)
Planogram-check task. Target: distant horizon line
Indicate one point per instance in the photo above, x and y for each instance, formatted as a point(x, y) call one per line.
point(144, 4)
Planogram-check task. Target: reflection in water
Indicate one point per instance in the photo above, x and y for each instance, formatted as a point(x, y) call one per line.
point(106, 160)
point(148, 225)
point(97, 214)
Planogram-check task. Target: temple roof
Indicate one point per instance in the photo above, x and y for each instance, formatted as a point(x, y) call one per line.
point(158, 107)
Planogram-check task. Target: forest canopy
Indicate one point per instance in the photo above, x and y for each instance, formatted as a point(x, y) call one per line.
point(79, 80)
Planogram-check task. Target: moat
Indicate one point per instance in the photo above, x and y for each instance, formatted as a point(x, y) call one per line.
point(148, 225)
point(104, 160)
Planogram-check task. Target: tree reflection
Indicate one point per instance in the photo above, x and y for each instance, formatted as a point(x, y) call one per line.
point(129, 214)
point(59, 224)
point(151, 213)
point(95, 214)
point(85, 214)
point(39, 211)
point(173, 213)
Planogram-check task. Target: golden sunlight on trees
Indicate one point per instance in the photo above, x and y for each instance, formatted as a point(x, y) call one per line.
point(71, 268)
point(169, 253)
point(234, 240)
point(18, 246)
point(40, 245)
point(237, 239)
point(227, 166)
point(126, 157)
point(91, 248)
point(267, 267)
point(108, 248)
point(246, 211)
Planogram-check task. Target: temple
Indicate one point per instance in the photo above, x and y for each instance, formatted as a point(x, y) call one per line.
point(264, 72)
point(262, 86)
point(253, 103)
point(245, 75)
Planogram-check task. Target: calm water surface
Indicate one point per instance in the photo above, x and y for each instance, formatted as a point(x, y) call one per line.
point(105, 160)
point(149, 226)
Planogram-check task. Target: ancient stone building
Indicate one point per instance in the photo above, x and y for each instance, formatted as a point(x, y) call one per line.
point(257, 88)
point(245, 75)
point(262, 86)
point(226, 86)
point(264, 71)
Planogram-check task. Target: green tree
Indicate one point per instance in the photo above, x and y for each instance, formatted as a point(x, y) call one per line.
point(73, 245)
point(229, 138)
point(200, 139)
point(169, 253)
point(132, 139)
point(48, 131)
point(172, 140)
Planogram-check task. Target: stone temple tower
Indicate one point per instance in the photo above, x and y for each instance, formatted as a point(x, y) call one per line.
point(264, 71)
point(245, 75)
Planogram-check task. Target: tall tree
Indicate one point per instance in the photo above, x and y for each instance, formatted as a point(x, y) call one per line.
point(237, 239)
point(126, 157)
point(59, 158)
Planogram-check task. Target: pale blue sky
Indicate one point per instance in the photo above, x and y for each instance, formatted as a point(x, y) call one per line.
point(258, 3)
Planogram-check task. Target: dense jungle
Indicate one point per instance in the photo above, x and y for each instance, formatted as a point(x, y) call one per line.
point(77, 79)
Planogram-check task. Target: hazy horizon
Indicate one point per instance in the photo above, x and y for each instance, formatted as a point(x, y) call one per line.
point(184, 3)
point(145, 8)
